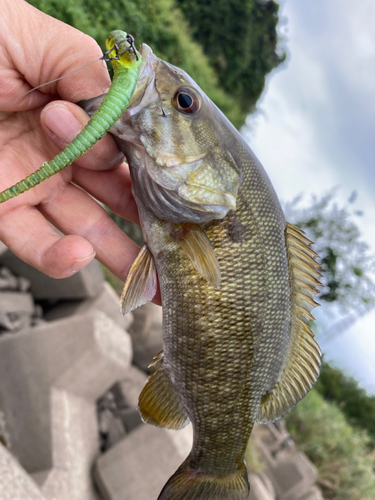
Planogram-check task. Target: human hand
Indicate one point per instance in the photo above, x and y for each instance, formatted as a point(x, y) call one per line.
point(35, 49)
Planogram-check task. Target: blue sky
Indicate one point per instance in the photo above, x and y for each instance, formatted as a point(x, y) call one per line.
point(315, 129)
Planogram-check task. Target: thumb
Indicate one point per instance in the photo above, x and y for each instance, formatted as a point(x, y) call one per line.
point(42, 49)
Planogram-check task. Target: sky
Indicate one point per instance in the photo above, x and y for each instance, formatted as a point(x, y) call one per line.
point(315, 130)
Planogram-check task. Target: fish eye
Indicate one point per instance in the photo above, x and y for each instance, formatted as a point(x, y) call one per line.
point(186, 101)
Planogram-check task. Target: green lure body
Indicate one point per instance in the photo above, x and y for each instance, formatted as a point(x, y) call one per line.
point(125, 61)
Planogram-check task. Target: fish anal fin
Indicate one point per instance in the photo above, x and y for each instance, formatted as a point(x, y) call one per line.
point(197, 247)
point(191, 483)
point(157, 402)
point(301, 367)
point(141, 282)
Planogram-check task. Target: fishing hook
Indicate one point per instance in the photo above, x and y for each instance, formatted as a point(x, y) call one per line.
point(116, 48)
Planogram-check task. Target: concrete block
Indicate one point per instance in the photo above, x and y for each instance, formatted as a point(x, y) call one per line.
point(82, 355)
point(88, 282)
point(127, 391)
point(258, 490)
point(75, 438)
point(8, 281)
point(107, 301)
point(130, 418)
point(15, 482)
point(267, 484)
point(4, 435)
point(111, 427)
point(106, 357)
point(14, 302)
point(117, 411)
point(147, 334)
point(292, 475)
point(138, 467)
point(16, 310)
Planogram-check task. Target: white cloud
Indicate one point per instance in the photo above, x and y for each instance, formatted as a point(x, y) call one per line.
point(353, 43)
point(316, 124)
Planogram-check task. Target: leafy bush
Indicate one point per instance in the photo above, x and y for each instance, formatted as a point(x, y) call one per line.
point(160, 24)
point(240, 39)
point(347, 264)
point(342, 454)
point(354, 402)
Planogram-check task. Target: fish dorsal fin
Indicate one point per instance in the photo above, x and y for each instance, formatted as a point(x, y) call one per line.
point(301, 368)
point(198, 248)
point(141, 282)
point(157, 402)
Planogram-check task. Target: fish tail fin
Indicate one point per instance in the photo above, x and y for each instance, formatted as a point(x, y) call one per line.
point(190, 484)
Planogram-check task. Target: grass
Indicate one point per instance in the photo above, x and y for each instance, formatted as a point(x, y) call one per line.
point(342, 454)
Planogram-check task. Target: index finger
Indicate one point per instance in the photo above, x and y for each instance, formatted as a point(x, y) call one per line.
point(42, 49)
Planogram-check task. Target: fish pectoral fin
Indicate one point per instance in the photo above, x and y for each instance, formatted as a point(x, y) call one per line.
point(302, 365)
point(198, 248)
point(141, 282)
point(157, 403)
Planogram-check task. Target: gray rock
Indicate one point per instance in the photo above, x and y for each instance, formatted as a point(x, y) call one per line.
point(87, 283)
point(147, 334)
point(107, 301)
point(138, 467)
point(15, 483)
point(82, 356)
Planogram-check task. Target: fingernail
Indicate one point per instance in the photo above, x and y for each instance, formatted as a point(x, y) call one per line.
point(61, 122)
point(78, 263)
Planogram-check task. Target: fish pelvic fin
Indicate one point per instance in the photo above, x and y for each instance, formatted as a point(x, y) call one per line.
point(198, 248)
point(302, 364)
point(141, 282)
point(191, 484)
point(157, 403)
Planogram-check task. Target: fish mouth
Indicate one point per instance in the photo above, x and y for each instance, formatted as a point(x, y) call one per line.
point(149, 59)
point(145, 92)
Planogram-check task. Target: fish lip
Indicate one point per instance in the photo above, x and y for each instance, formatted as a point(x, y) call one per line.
point(149, 60)
point(145, 91)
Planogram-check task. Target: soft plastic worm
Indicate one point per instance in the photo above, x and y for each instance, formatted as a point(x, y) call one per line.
point(125, 61)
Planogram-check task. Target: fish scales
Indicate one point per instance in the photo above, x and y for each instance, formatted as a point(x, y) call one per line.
point(219, 347)
point(236, 281)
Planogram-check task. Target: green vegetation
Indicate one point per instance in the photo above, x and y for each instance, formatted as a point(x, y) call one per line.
point(335, 423)
point(161, 24)
point(346, 263)
point(341, 453)
point(228, 47)
point(240, 39)
point(354, 402)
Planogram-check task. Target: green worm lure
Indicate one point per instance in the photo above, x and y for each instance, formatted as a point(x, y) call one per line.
point(125, 61)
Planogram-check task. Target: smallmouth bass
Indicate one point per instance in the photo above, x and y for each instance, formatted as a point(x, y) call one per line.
point(237, 281)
